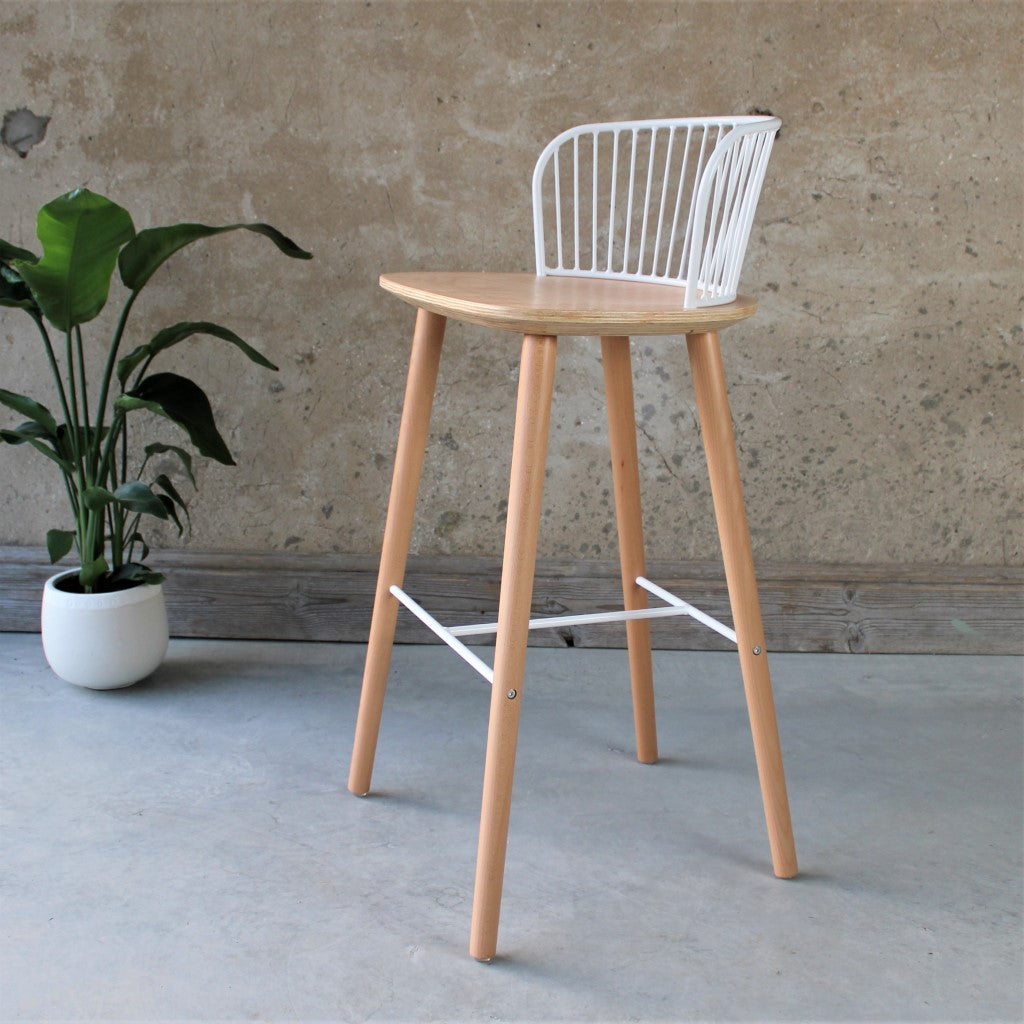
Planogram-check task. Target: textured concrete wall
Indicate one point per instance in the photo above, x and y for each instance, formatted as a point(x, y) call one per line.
point(877, 393)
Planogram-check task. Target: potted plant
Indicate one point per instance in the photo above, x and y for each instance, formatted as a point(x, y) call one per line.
point(105, 624)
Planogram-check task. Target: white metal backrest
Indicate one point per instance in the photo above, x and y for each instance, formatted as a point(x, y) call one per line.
point(666, 201)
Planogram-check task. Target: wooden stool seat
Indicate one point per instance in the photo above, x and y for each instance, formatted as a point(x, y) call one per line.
point(527, 304)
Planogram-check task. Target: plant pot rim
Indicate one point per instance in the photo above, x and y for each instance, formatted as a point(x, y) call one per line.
point(111, 599)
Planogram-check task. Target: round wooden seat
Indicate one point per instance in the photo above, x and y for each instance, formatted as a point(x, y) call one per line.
point(527, 304)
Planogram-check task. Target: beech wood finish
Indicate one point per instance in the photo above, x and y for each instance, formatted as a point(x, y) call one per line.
point(562, 305)
point(526, 485)
point(412, 443)
point(618, 387)
point(734, 536)
point(540, 309)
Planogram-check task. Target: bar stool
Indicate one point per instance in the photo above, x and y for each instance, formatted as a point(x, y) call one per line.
point(640, 229)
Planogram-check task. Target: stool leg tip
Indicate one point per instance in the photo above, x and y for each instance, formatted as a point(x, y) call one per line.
point(786, 866)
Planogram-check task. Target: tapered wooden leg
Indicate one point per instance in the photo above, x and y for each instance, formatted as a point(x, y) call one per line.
point(533, 411)
point(412, 442)
point(727, 494)
point(618, 387)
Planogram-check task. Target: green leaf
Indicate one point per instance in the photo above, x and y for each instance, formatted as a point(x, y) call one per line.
point(14, 299)
point(137, 497)
point(81, 233)
point(186, 459)
point(63, 443)
point(14, 292)
point(65, 463)
point(9, 252)
point(135, 573)
point(172, 512)
point(150, 248)
point(32, 409)
point(172, 502)
point(185, 403)
point(25, 432)
point(136, 538)
point(96, 498)
point(179, 332)
point(133, 495)
point(59, 543)
point(54, 447)
point(165, 484)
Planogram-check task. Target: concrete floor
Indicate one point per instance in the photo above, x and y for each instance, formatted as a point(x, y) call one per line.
point(186, 849)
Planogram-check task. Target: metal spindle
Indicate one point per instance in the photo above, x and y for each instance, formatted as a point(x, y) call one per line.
point(611, 210)
point(692, 233)
point(664, 195)
point(576, 200)
point(647, 203)
point(688, 240)
point(593, 214)
point(558, 211)
point(629, 204)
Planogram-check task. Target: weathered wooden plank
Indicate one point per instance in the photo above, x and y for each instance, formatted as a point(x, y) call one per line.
point(866, 608)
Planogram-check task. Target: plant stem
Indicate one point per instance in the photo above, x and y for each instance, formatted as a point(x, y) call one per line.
point(118, 534)
point(85, 527)
point(113, 514)
point(133, 532)
point(54, 368)
point(91, 443)
point(118, 435)
point(124, 448)
point(143, 370)
point(108, 463)
point(108, 370)
point(83, 377)
point(72, 391)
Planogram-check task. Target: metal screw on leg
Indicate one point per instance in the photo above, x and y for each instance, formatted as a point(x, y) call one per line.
point(757, 650)
point(511, 694)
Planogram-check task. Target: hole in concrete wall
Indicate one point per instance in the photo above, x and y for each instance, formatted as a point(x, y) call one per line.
point(22, 130)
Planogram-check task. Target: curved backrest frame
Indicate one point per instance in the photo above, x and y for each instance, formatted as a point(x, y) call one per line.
point(666, 201)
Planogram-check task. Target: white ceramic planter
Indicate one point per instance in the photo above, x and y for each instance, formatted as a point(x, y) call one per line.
point(104, 641)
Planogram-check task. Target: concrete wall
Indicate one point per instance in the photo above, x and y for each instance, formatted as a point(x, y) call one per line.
point(877, 393)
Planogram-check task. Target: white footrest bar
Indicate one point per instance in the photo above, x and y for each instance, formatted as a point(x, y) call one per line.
point(588, 618)
point(676, 606)
point(446, 635)
point(687, 609)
